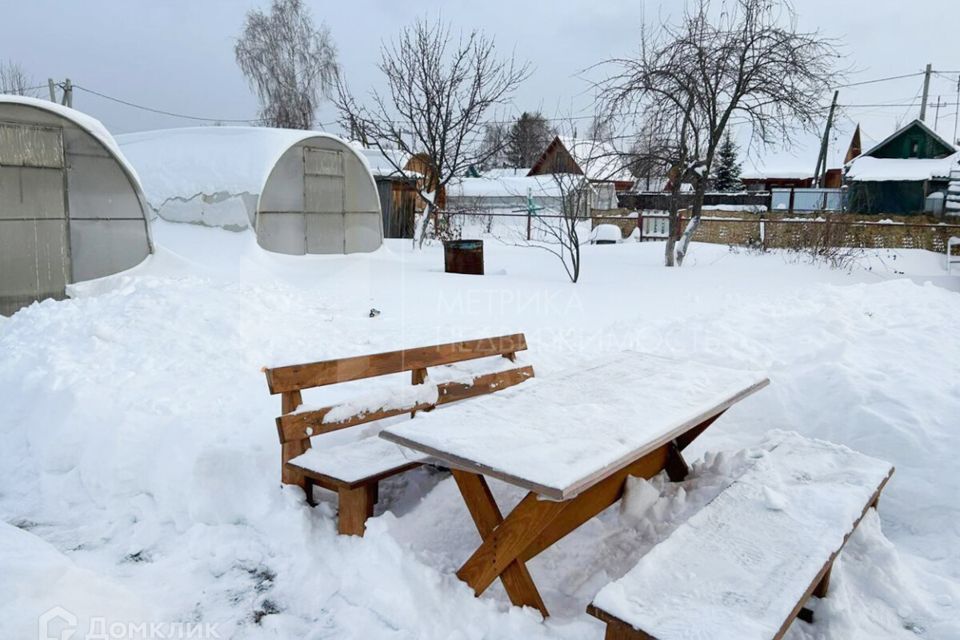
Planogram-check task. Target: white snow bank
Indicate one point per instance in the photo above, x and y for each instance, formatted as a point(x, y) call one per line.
point(606, 233)
point(138, 434)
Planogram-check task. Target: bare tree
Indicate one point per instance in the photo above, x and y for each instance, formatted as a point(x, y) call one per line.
point(747, 65)
point(644, 160)
point(15, 81)
point(290, 63)
point(496, 137)
point(529, 136)
point(439, 88)
point(557, 229)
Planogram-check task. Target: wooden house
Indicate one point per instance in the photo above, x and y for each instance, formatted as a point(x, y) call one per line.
point(599, 162)
point(898, 174)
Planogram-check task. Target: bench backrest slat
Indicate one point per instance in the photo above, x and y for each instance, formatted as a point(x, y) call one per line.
point(297, 426)
point(317, 374)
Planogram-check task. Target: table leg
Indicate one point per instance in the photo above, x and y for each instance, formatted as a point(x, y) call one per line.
point(684, 439)
point(486, 515)
point(676, 467)
point(594, 500)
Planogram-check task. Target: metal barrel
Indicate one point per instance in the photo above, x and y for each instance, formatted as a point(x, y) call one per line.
point(463, 256)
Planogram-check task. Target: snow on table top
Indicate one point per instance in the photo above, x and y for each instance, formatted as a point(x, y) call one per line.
point(558, 436)
point(738, 567)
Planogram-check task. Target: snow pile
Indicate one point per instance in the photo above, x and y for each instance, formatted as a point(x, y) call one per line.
point(606, 233)
point(139, 472)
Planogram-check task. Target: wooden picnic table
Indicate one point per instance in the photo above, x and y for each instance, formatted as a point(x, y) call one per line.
point(571, 440)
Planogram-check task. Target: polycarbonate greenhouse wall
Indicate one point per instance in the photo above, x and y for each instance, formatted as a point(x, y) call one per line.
point(70, 209)
point(301, 192)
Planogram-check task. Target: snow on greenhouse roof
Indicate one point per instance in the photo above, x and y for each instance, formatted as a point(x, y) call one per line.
point(86, 122)
point(178, 163)
point(867, 169)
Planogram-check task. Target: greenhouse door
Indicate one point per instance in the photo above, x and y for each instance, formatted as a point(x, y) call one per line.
point(323, 200)
point(34, 246)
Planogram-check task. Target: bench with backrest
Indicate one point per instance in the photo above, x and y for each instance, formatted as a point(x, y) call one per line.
point(353, 469)
point(746, 564)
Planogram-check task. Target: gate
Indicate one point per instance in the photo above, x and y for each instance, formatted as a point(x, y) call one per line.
point(323, 200)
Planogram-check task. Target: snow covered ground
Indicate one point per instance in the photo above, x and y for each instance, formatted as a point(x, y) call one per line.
point(139, 463)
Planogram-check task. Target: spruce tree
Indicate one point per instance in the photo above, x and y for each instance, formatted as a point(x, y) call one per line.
point(726, 177)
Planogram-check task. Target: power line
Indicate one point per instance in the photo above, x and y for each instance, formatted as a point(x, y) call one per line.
point(886, 79)
point(162, 111)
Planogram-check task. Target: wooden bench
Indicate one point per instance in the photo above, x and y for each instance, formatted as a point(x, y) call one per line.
point(354, 469)
point(746, 564)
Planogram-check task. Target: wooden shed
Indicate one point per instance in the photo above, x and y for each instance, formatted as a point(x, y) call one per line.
point(898, 174)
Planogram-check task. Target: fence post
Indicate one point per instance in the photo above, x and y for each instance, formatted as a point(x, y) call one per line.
point(640, 224)
point(529, 218)
point(763, 232)
point(792, 193)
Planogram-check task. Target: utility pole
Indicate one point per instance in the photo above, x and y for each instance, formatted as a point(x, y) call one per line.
point(67, 93)
point(926, 92)
point(822, 158)
point(956, 113)
point(67, 86)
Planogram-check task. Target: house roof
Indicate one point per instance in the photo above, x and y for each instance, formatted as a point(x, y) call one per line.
point(380, 161)
point(599, 161)
point(915, 123)
point(867, 169)
point(777, 174)
point(549, 185)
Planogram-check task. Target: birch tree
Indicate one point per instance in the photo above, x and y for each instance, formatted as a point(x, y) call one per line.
point(289, 62)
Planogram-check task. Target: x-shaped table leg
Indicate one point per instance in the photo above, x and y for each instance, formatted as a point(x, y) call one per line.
point(512, 571)
point(536, 524)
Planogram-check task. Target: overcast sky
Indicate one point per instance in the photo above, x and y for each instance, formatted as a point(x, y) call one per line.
point(177, 55)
